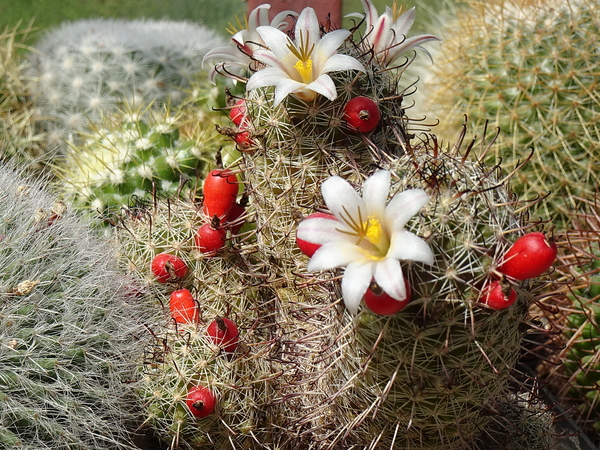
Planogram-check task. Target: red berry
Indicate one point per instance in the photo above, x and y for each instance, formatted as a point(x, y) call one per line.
point(238, 114)
point(308, 248)
point(168, 268)
point(381, 303)
point(210, 237)
point(220, 191)
point(201, 401)
point(530, 256)
point(362, 114)
point(497, 295)
point(183, 307)
point(224, 333)
point(243, 140)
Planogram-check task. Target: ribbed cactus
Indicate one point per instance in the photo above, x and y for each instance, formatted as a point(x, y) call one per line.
point(85, 69)
point(529, 68)
point(315, 367)
point(574, 373)
point(71, 329)
point(133, 153)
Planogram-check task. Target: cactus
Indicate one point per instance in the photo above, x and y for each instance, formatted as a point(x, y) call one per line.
point(315, 368)
point(574, 372)
point(133, 153)
point(84, 69)
point(527, 67)
point(70, 342)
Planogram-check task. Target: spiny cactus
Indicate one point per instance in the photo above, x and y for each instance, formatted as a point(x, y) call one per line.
point(574, 373)
point(69, 333)
point(133, 153)
point(530, 69)
point(84, 69)
point(315, 367)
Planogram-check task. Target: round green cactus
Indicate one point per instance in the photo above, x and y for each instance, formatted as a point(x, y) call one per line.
point(529, 68)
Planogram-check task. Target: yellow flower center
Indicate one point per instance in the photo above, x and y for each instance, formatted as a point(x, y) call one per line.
point(304, 68)
point(374, 230)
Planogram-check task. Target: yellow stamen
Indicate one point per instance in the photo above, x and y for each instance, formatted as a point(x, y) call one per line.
point(304, 68)
point(374, 230)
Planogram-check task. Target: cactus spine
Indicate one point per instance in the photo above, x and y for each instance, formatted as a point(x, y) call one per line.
point(431, 376)
point(529, 68)
point(69, 344)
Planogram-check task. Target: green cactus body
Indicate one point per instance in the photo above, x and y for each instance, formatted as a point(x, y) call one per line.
point(431, 376)
point(529, 68)
point(135, 154)
point(69, 343)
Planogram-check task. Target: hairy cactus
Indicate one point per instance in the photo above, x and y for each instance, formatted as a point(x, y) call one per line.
point(85, 69)
point(69, 338)
point(316, 367)
point(529, 68)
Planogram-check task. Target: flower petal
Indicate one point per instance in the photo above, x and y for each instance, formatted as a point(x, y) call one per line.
point(342, 199)
point(268, 58)
point(285, 87)
point(355, 283)
point(404, 23)
point(269, 76)
point(375, 192)
point(307, 27)
point(277, 41)
point(403, 206)
point(341, 62)
point(279, 21)
point(380, 36)
point(259, 16)
point(320, 231)
point(370, 13)
point(334, 254)
point(325, 86)
point(328, 46)
point(388, 275)
point(413, 42)
point(408, 246)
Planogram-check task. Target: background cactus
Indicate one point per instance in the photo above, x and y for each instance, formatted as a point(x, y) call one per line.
point(308, 374)
point(132, 153)
point(70, 332)
point(84, 69)
point(529, 68)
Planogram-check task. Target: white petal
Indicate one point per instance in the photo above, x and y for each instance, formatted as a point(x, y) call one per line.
point(320, 231)
point(342, 199)
point(285, 87)
point(408, 246)
point(413, 42)
point(355, 283)
point(328, 45)
point(227, 53)
point(370, 12)
point(269, 76)
point(307, 22)
point(268, 58)
point(403, 206)
point(341, 62)
point(388, 275)
point(403, 23)
point(325, 86)
point(375, 192)
point(334, 254)
point(380, 37)
point(276, 40)
point(279, 21)
point(259, 16)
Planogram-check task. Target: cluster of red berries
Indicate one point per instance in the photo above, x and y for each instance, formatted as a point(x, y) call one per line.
point(220, 193)
point(529, 257)
point(222, 331)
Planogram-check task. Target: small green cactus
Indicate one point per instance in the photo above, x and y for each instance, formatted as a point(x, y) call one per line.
point(69, 338)
point(134, 153)
point(529, 68)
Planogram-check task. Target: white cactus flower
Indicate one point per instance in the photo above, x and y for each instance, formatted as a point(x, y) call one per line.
point(236, 58)
point(387, 34)
point(368, 237)
point(301, 67)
